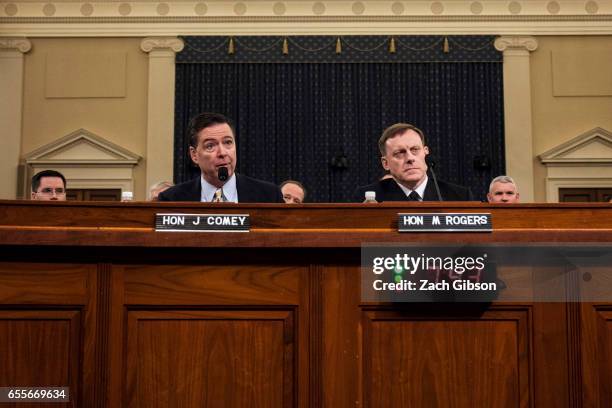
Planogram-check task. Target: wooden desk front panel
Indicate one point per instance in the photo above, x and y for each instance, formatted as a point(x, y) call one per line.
point(132, 318)
point(212, 335)
point(47, 327)
point(282, 333)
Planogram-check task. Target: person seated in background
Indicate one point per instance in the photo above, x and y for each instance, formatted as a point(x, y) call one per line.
point(212, 146)
point(403, 151)
point(503, 189)
point(48, 185)
point(158, 188)
point(293, 192)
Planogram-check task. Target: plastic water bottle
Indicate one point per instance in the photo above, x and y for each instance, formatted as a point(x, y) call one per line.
point(127, 196)
point(370, 197)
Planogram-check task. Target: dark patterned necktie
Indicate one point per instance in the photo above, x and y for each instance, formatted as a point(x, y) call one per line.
point(414, 196)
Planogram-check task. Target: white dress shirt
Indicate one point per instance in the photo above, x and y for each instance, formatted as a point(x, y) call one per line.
point(229, 190)
point(420, 188)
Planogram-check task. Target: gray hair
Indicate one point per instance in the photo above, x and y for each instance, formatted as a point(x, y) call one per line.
point(502, 179)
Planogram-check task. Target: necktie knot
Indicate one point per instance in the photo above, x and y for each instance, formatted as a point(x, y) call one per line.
point(414, 196)
point(218, 197)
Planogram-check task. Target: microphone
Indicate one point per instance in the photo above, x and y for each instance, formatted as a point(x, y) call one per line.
point(222, 173)
point(431, 164)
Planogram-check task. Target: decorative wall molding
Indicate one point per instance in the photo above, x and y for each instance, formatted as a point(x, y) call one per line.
point(252, 17)
point(82, 147)
point(594, 146)
point(582, 162)
point(22, 45)
point(516, 43)
point(87, 161)
point(160, 43)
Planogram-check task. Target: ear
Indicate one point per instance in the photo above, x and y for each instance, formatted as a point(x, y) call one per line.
point(193, 154)
point(384, 162)
point(517, 196)
point(489, 197)
point(32, 195)
point(426, 150)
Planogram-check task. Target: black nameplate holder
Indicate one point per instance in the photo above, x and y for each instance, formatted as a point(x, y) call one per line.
point(202, 222)
point(444, 222)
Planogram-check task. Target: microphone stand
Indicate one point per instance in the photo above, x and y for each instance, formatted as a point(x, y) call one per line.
point(431, 166)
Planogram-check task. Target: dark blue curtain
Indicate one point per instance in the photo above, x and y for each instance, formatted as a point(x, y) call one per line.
point(300, 120)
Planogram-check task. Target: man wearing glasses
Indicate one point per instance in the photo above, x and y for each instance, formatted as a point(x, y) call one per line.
point(49, 185)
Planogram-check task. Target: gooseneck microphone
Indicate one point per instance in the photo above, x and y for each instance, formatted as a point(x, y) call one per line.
point(222, 173)
point(431, 164)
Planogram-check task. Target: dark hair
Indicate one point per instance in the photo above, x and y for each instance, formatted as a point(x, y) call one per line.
point(297, 183)
point(394, 130)
point(202, 121)
point(45, 173)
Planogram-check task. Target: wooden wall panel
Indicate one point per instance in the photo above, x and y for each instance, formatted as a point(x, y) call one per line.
point(605, 361)
point(410, 361)
point(341, 359)
point(552, 348)
point(44, 283)
point(596, 344)
point(210, 359)
point(274, 317)
point(41, 348)
point(212, 284)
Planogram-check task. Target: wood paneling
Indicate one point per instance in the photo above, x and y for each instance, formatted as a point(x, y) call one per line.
point(40, 347)
point(210, 359)
point(584, 195)
point(109, 194)
point(478, 362)
point(597, 355)
point(211, 284)
point(90, 294)
point(63, 284)
point(342, 357)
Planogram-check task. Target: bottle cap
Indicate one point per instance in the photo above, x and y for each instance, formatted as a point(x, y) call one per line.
point(127, 196)
point(370, 195)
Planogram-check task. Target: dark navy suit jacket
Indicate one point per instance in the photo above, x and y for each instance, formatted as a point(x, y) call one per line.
point(250, 190)
point(388, 190)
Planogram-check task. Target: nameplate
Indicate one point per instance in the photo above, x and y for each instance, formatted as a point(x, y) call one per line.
point(203, 222)
point(444, 222)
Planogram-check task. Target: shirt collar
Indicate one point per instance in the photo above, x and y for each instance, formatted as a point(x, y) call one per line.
point(420, 189)
point(229, 190)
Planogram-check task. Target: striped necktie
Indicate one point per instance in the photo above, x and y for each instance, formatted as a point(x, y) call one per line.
point(218, 197)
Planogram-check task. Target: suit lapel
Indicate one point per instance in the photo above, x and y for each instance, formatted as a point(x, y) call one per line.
point(195, 192)
point(393, 192)
point(430, 192)
point(242, 188)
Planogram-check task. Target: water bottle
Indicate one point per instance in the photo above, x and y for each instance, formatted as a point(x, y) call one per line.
point(370, 197)
point(127, 196)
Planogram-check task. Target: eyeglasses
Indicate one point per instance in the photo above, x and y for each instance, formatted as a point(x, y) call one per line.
point(50, 191)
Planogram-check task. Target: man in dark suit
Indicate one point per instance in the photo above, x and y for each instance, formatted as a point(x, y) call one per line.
point(212, 146)
point(403, 151)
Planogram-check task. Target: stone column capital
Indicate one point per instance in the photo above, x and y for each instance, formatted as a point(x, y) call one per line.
point(22, 45)
point(162, 44)
point(516, 43)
